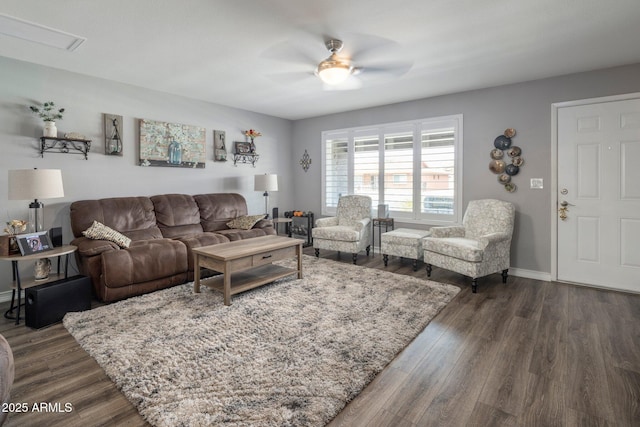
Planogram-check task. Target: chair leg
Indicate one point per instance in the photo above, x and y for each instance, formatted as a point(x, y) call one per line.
point(504, 275)
point(474, 285)
point(385, 258)
point(429, 270)
point(355, 257)
point(415, 265)
point(317, 252)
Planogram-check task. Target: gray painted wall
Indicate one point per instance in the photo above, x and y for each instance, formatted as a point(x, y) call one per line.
point(525, 107)
point(86, 99)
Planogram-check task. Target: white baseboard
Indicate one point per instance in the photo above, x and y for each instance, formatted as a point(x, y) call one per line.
point(530, 274)
point(5, 296)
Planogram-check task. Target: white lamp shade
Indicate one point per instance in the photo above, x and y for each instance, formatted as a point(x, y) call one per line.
point(266, 182)
point(27, 184)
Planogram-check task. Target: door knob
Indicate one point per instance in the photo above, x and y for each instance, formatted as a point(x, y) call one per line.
point(564, 208)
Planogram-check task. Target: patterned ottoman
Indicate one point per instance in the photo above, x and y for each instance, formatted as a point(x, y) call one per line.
point(405, 243)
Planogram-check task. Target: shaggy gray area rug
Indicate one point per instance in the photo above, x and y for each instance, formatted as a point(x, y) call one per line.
point(291, 353)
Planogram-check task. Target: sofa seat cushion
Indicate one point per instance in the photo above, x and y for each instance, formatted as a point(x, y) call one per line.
point(234, 234)
point(200, 240)
point(456, 247)
point(338, 232)
point(90, 247)
point(144, 261)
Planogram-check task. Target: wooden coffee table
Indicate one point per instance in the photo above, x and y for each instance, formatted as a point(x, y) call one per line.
point(246, 264)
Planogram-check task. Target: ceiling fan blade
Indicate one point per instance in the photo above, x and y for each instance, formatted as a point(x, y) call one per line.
point(366, 47)
point(293, 77)
point(391, 69)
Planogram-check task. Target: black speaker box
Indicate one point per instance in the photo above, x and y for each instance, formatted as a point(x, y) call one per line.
point(48, 303)
point(55, 234)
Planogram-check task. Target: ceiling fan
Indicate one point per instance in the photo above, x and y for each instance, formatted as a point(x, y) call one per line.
point(363, 59)
point(335, 70)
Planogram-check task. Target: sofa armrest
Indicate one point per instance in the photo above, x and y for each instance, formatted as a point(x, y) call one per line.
point(492, 239)
point(449, 231)
point(327, 222)
point(90, 247)
point(264, 223)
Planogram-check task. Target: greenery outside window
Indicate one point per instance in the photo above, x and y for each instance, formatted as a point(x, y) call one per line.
point(414, 167)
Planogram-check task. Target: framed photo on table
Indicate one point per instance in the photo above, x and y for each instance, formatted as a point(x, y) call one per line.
point(32, 243)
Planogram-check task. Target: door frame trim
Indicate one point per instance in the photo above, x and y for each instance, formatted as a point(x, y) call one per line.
point(555, 107)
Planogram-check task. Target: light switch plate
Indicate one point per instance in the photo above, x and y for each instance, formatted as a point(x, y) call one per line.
point(537, 183)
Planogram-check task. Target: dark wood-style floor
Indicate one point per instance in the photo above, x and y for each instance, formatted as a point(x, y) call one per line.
point(529, 353)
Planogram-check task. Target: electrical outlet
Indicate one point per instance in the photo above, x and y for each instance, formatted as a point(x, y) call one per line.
point(537, 183)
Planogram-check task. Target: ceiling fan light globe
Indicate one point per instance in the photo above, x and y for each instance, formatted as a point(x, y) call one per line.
point(333, 74)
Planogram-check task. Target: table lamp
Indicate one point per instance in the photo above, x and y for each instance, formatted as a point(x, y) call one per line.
point(266, 183)
point(27, 184)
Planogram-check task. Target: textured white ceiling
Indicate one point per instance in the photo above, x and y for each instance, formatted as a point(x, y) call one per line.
point(259, 55)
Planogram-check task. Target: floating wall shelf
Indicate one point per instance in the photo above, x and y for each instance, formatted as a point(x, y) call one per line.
point(65, 145)
point(245, 158)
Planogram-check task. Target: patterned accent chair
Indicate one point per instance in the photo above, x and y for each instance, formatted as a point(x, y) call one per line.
point(348, 231)
point(481, 246)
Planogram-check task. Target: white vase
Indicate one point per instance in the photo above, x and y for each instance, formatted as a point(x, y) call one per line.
point(42, 269)
point(50, 129)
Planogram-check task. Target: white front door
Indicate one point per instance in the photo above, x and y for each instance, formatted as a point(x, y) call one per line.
point(599, 183)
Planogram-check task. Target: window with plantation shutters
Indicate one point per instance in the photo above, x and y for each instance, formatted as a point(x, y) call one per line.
point(398, 171)
point(414, 167)
point(366, 165)
point(335, 169)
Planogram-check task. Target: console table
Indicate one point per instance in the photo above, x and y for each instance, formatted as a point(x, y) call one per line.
point(19, 284)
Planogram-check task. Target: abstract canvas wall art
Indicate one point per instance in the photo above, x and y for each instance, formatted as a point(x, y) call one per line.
point(172, 144)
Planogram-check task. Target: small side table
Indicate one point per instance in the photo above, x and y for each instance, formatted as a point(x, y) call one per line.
point(287, 225)
point(18, 284)
point(301, 229)
point(380, 222)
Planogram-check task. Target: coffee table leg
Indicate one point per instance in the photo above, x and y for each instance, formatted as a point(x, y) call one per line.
point(196, 273)
point(227, 285)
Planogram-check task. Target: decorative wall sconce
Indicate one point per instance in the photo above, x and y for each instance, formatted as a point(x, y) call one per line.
point(305, 162)
point(113, 135)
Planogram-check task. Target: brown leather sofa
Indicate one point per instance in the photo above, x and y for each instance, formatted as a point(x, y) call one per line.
point(163, 229)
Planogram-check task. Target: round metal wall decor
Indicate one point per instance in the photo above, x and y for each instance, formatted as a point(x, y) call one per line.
point(503, 153)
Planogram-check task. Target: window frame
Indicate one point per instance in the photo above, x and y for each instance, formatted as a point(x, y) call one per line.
point(417, 127)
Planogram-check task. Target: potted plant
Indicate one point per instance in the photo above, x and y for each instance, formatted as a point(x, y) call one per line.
point(49, 113)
